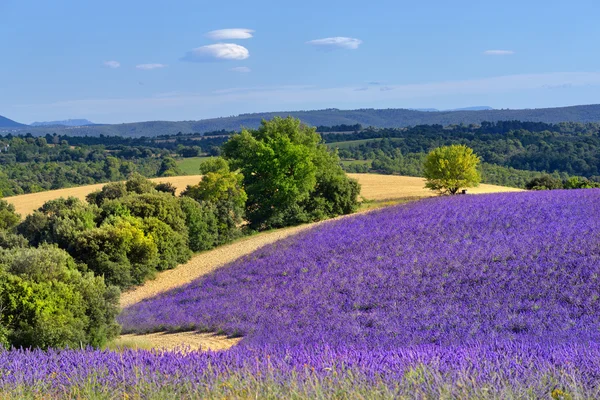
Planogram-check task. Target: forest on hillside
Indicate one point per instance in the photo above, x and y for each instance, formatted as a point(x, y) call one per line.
point(512, 153)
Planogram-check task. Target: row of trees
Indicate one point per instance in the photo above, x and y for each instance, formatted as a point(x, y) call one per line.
point(61, 268)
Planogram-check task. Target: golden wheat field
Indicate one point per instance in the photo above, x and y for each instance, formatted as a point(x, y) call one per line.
point(374, 187)
point(27, 203)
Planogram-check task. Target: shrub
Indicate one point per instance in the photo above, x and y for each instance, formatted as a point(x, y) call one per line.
point(139, 184)
point(544, 182)
point(202, 224)
point(224, 190)
point(110, 191)
point(120, 251)
point(172, 246)
point(47, 302)
point(8, 217)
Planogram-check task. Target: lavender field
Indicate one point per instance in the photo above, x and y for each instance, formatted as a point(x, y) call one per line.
point(487, 296)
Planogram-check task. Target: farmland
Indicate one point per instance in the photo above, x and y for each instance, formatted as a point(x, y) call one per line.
point(375, 187)
point(471, 296)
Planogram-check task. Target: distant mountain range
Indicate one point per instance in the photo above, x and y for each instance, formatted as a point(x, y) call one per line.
point(476, 108)
point(9, 123)
point(67, 122)
point(382, 118)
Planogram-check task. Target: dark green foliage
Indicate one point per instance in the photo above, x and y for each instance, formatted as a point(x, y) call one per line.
point(46, 302)
point(172, 246)
point(166, 187)
point(139, 184)
point(120, 251)
point(9, 240)
point(202, 223)
point(59, 221)
point(545, 182)
point(109, 191)
point(158, 205)
point(280, 163)
point(8, 217)
point(223, 189)
point(168, 167)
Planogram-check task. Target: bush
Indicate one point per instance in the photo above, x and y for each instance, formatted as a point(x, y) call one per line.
point(120, 251)
point(544, 182)
point(172, 246)
point(166, 187)
point(59, 221)
point(46, 302)
point(202, 224)
point(224, 190)
point(139, 184)
point(110, 191)
point(8, 217)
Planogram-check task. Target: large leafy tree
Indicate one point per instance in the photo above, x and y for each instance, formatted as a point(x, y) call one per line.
point(284, 165)
point(223, 189)
point(8, 217)
point(451, 168)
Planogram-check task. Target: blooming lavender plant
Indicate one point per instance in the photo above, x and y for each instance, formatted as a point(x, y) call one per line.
point(447, 271)
point(490, 296)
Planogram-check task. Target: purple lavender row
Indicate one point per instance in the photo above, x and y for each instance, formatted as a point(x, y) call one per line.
point(495, 367)
point(522, 266)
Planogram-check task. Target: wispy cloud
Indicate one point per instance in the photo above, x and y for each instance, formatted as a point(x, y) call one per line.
point(339, 42)
point(112, 64)
point(498, 52)
point(243, 70)
point(217, 51)
point(386, 88)
point(229, 34)
point(148, 67)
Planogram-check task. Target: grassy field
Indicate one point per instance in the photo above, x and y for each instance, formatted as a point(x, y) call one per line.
point(189, 166)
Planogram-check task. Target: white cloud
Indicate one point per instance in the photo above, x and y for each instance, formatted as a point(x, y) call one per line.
point(218, 51)
point(336, 42)
point(498, 52)
point(228, 34)
point(112, 64)
point(150, 66)
point(240, 69)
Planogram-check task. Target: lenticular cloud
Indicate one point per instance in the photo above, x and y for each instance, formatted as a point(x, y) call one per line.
point(217, 51)
point(229, 34)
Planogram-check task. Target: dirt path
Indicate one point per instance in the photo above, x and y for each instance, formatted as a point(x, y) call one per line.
point(206, 262)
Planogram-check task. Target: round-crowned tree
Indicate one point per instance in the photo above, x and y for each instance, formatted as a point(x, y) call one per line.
point(449, 169)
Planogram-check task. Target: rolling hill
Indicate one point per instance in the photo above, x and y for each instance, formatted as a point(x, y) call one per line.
point(9, 123)
point(381, 118)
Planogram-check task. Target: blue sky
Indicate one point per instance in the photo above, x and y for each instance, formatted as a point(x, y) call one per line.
point(124, 61)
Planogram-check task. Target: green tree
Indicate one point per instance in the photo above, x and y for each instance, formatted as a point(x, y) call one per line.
point(46, 302)
point(168, 167)
point(281, 163)
point(451, 168)
point(544, 182)
point(8, 217)
point(202, 223)
point(222, 188)
point(139, 184)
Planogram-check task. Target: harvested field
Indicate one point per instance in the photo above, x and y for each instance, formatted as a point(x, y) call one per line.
point(27, 203)
point(391, 187)
point(374, 187)
point(182, 340)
